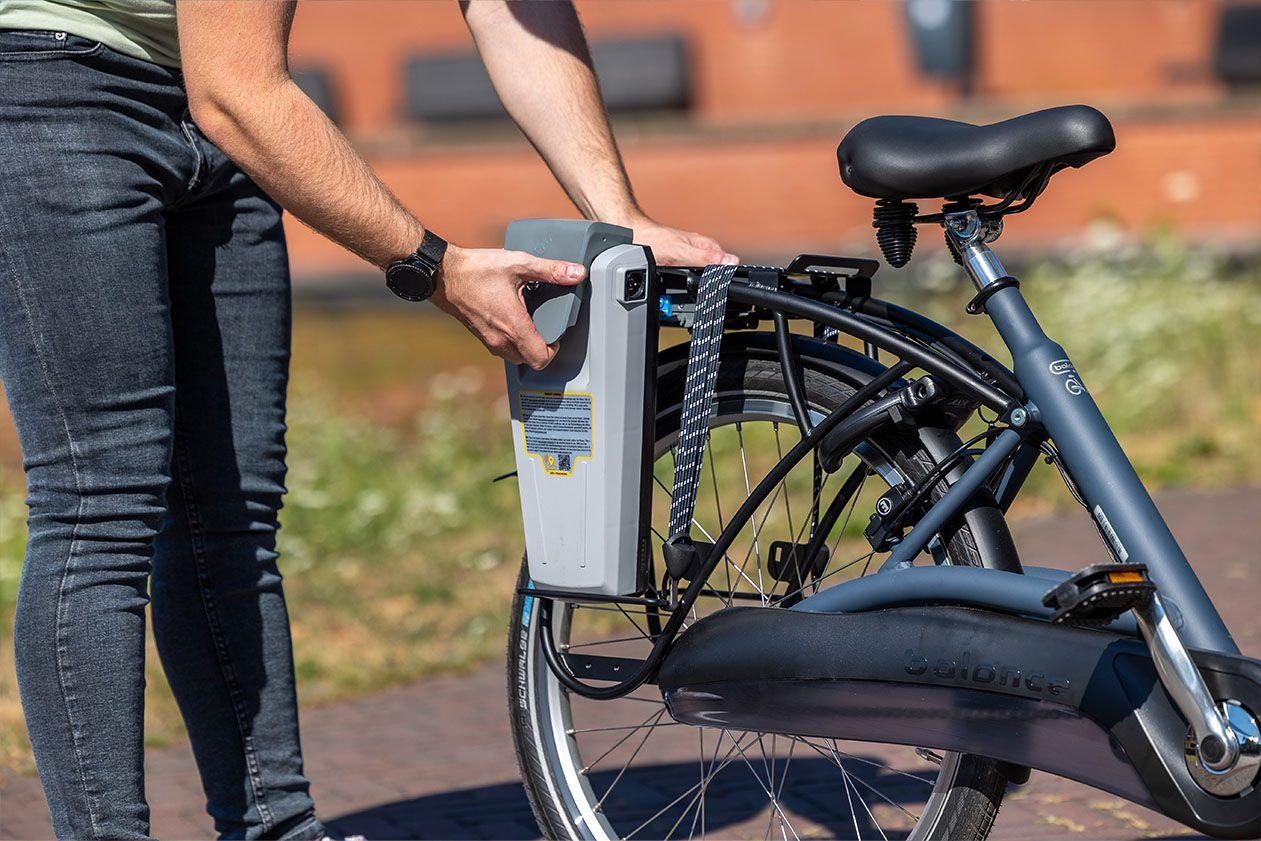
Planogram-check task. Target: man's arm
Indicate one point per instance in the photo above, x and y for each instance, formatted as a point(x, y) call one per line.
point(241, 96)
point(538, 60)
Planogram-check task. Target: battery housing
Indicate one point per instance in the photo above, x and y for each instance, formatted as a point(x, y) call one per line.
point(580, 426)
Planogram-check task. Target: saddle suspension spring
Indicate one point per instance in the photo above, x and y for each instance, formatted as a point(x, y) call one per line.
point(894, 222)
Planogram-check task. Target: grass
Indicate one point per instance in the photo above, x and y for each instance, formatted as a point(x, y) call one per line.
point(400, 553)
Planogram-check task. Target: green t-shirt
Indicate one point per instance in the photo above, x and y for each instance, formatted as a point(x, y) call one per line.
point(141, 28)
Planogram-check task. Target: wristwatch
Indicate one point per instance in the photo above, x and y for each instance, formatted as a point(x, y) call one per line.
point(414, 278)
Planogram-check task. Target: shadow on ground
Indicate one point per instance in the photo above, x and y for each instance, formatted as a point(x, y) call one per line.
point(659, 801)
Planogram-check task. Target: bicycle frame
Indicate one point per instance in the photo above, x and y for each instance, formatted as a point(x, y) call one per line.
point(1032, 398)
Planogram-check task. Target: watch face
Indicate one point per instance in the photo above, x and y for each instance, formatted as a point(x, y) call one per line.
point(410, 282)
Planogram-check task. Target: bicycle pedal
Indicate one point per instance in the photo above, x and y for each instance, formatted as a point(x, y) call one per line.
point(1100, 593)
point(787, 562)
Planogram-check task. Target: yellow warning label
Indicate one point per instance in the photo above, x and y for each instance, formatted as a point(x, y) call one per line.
point(558, 428)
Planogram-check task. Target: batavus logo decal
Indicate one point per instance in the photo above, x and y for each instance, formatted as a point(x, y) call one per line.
point(1072, 381)
point(968, 668)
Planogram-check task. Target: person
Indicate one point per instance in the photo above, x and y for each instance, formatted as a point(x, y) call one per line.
point(145, 151)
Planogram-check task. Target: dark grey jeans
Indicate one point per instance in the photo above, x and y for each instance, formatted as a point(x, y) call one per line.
point(144, 350)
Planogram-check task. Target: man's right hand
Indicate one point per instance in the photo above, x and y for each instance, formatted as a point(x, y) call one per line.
point(482, 289)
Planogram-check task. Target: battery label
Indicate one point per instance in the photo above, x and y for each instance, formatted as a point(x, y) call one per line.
point(558, 428)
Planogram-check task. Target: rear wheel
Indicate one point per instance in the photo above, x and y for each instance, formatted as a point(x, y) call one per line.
point(625, 769)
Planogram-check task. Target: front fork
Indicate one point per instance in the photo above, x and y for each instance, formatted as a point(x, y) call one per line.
point(1127, 518)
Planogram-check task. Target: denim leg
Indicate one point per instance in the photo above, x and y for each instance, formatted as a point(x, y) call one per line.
point(93, 410)
point(218, 609)
point(87, 364)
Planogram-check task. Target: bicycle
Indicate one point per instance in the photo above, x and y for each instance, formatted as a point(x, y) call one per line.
point(845, 640)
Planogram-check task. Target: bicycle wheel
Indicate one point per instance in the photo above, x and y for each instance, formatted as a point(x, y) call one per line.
point(625, 769)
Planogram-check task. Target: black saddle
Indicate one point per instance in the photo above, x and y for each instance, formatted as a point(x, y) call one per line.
point(924, 157)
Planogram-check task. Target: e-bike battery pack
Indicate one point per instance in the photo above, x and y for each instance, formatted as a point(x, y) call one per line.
point(579, 424)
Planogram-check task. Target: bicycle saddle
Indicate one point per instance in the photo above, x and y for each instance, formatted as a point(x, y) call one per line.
point(925, 157)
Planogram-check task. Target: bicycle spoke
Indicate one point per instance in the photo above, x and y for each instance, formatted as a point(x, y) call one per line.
point(575, 646)
point(839, 569)
point(832, 754)
point(651, 717)
point(774, 803)
point(603, 607)
point(700, 808)
point(699, 799)
point(803, 563)
point(727, 760)
point(614, 728)
point(757, 530)
point(757, 585)
point(713, 475)
point(841, 534)
point(600, 803)
point(704, 532)
point(805, 740)
point(849, 778)
point(779, 453)
point(670, 495)
point(656, 701)
point(770, 776)
point(783, 777)
point(853, 813)
point(642, 632)
point(744, 462)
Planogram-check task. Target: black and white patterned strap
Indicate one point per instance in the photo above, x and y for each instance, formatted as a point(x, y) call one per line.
point(698, 394)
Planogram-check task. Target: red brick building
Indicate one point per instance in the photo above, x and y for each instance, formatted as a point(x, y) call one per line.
point(770, 88)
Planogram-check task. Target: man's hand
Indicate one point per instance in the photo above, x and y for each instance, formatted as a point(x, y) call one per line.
point(482, 289)
point(672, 247)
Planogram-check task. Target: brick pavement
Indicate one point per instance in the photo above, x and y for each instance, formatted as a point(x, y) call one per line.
point(434, 760)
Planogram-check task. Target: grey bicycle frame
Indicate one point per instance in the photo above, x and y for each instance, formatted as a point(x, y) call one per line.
point(1057, 398)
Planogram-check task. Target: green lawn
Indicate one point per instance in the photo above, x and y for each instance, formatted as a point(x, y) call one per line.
point(400, 554)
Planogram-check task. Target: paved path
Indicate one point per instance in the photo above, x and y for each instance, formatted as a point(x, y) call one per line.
point(434, 760)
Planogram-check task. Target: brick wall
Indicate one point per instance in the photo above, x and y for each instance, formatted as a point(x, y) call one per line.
point(776, 84)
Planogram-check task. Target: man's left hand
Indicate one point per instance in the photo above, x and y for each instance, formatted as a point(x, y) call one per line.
point(672, 247)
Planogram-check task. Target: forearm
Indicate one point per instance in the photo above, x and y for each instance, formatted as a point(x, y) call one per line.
point(296, 154)
point(557, 101)
point(240, 94)
point(237, 76)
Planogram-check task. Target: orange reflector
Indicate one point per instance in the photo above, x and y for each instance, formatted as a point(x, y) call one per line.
point(1125, 577)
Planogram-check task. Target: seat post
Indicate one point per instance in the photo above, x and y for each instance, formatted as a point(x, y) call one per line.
point(970, 235)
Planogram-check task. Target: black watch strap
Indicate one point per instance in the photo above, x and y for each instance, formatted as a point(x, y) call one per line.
point(415, 277)
point(431, 251)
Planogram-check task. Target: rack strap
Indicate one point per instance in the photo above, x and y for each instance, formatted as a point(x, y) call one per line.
point(698, 399)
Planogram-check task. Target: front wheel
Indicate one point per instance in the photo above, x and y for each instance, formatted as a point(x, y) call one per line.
point(625, 769)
